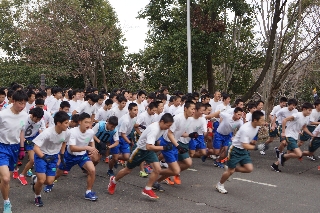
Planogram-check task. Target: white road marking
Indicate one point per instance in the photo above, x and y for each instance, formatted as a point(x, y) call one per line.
point(194, 170)
point(251, 181)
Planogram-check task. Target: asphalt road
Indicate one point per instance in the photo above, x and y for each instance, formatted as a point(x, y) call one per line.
point(295, 189)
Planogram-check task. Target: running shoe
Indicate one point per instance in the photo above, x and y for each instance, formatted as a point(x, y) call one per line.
point(19, 163)
point(158, 187)
point(48, 188)
point(204, 158)
point(29, 173)
point(110, 173)
point(312, 158)
point(275, 168)
point(143, 174)
point(168, 181)
point(91, 196)
point(177, 179)
point(38, 202)
point(163, 164)
point(221, 189)
point(33, 181)
point(65, 172)
point(150, 194)
point(23, 180)
point(262, 152)
point(111, 186)
point(7, 207)
point(15, 174)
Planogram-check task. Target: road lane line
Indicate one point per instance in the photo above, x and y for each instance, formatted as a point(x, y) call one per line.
point(251, 181)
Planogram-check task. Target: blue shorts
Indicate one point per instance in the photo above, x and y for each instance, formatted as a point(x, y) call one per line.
point(123, 147)
point(72, 160)
point(47, 168)
point(9, 155)
point(255, 138)
point(215, 126)
point(169, 155)
point(220, 140)
point(197, 143)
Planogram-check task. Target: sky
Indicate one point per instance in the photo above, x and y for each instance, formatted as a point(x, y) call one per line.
point(134, 30)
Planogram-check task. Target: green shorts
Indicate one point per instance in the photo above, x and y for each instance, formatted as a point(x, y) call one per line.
point(314, 144)
point(292, 143)
point(276, 132)
point(138, 156)
point(236, 156)
point(186, 155)
point(305, 136)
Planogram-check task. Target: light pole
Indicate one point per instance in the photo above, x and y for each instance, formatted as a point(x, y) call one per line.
point(189, 48)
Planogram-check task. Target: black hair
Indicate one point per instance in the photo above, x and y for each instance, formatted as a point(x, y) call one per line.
point(252, 105)
point(163, 88)
point(113, 120)
point(207, 105)
point(47, 87)
point(2, 92)
point(30, 93)
point(152, 95)
point(152, 105)
point(238, 109)
point(195, 94)
point(260, 101)
point(93, 97)
point(158, 102)
point(31, 87)
point(101, 96)
point(171, 98)
point(317, 102)
point(112, 95)
point(108, 102)
point(70, 94)
point(167, 118)
point(161, 97)
point(199, 105)
point(61, 117)
point(39, 96)
point(83, 116)
point(225, 96)
point(141, 93)
point(64, 104)
point(39, 101)
point(94, 89)
point(283, 99)
point(131, 105)
point(43, 93)
point(292, 102)
point(256, 115)
point(55, 90)
point(20, 95)
point(75, 118)
point(36, 112)
point(307, 105)
point(187, 104)
point(15, 87)
point(203, 97)
point(121, 98)
point(10, 93)
point(184, 98)
point(238, 101)
point(176, 97)
point(204, 91)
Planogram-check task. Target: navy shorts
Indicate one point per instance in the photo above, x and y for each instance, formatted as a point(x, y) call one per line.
point(9, 155)
point(169, 155)
point(47, 168)
point(197, 143)
point(72, 160)
point(220, 140)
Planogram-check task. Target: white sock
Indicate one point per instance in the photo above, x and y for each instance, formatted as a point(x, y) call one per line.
point(6, 201)
point(148, 188)
point(21, 175)
point(15, 170)
point(35, 196)
point(87, 192)
point(220, 183)
point(114, 181)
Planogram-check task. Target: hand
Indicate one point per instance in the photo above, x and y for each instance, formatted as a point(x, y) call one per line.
point(168, 147)
point(48, 159)
point(22, 153)
point(273, 126)
point(62, 160)
point(261, 147)
point(193, 135)
point(142, 127)
point(181, 150)
point(283, 134)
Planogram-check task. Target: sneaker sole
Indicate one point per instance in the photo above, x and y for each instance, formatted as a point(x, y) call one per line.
point(149, 196)
point(91, 199)
point(22, 183)
point(274, 169)
point(39, 205)
point(220, 191)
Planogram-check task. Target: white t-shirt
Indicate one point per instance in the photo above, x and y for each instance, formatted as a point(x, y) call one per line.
point(115, 111)
point(11, 126)
point(73, 105)
point(151, 134)
point(230, 111)
point(284, 113)
point(126, 124)
point(31, 128)
point(78, 138)
point(86, 107)
point(245, 134)
point(179, 110)
point(275, 110)
point(221, 107)
point(214, 105)
point(48, 99)
point(173, 109)
point(248, 116)
point(198, 125)
point(54, 105)
point(316, 132)
point(294, 127)
point(46, 117)
point(102, 115)
point(29, 106)
point(98, 106)
point(179, 126)
point(145, 119)
point(96, 129)
point(227, 124)
point(141, 107)
point(6, 107)
point(314, 116)
point(157, 117)
point(166, 108)
point(50, 141)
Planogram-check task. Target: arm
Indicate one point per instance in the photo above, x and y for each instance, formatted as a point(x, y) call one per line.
point(136, 127)
point(22, 139)
point(284, 123)
point(248, 146)
point(124, 136)
point(306, 130)
point(213, 115)
point(172, 139)
point(63, 148)
point(37, 151)
point(116, 143)
point(151, 147)
point(74, 148)
point(74, 112)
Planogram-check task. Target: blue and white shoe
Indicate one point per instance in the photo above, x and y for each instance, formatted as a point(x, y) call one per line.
point(110, 173)
point(91, 196)
point(33, 181)
point(7, 208)
point(29, 173)
point(48, 188)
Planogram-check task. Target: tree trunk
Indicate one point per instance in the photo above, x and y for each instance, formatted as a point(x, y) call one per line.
point(269, 105)
point(103, 73)
point(211, 83)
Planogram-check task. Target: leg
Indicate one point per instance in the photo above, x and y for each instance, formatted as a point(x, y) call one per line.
point(123, 172)
point(246, 168)
point(90, 168)
point(226, 175)
point(185, 164)
point(41, 178)
point(30, 163)
point(154, 174)
point(5, 182)
point(113, 161)
point(173, 169)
